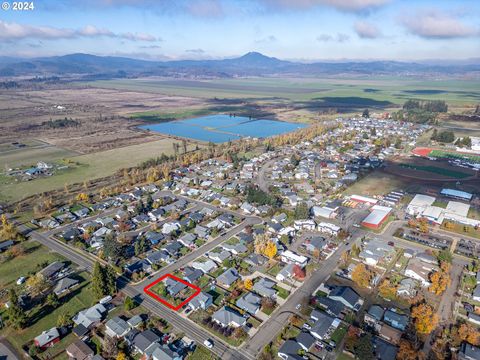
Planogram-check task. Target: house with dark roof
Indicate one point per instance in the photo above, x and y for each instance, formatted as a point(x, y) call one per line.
point(324, 326)
point(289, 350)
point(374, 315)
point(5, 245)
point(249, 302)
point(192, 275)
point(305, 340)
point(468, 352)
point(383, 350)
point(228, 277)
point(395, 319)
point(264, 287)
point(65, 285)
point(50, 271)
point(143, 340)
point(173, 248)
point(347, 296)
point(330, 306)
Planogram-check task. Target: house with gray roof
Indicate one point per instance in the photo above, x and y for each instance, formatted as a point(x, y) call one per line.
point(116, 327)
point(65, 285)
point(305, 340)
point(52, 270)
point(206, 266)
point(374, 315)
point(226, 316)
point(330, 306)
point(144, 340)
point(407, 288)
point(395, 319)
point(289, 350)
point(228, 277)
point(347, 296)
point(264, 287)
point(249, 302)
point(219, 256)
point(468, 352)
point(90, 316)
point(192, 275)
point(324, 326)
point(383, 349)
point(201, 301)
point(235, 249)
point(188, 240)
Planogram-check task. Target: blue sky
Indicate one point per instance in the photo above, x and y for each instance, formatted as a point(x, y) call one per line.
point(288, 29)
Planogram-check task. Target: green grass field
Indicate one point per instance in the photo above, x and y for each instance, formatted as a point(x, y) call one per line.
point(438, 170)
point(454, 155)
point(31, 156)
point(376, 183)
point(79, 299)
point(30, 263)
point(379, 91)
point(91, 166)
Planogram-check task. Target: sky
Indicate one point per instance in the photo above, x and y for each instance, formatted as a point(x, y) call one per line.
point(302, 30)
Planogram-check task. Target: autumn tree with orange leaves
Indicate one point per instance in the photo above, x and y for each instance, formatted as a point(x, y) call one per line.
point(440, 279)
point(425, 319)
point(362, 276)
point(406, 351)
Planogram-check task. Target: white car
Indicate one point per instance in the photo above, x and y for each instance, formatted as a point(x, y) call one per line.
point(298, 306)
point(208, 343)
point(21, 280)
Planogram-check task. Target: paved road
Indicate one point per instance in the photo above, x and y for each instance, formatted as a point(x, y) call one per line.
point(261, 179)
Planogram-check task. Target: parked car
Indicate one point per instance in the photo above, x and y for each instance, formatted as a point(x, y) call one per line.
point(208, 343)
point(21, 280)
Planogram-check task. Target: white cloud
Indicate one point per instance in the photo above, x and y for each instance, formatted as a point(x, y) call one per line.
point(367, 30)
point(339, 37)
point(342, 5)
point(15, 31)
point(437, 25)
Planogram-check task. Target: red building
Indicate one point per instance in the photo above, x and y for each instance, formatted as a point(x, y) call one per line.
point(47, 339)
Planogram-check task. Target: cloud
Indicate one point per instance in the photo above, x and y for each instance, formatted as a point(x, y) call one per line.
point(195, 51)
point(150, 47)
point(205, 8)
point(342, 5)
point(339, 37)
point(15, 31)
point(432, 24)
point(367, 30)
point(266, 40)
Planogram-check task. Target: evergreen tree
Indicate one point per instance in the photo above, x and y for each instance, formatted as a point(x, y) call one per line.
point(98, 281)
point(366, 113)
point(16, 316)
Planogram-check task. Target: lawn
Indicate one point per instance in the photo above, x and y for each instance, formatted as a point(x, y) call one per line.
point(274, 270)
point(199, 315)
point(36, 256)
point(438, 171)
point(89, 167)
point(41, 320)
point(29, 156)
point(461, 229)
point(281, 292)
point(202, 353)
point(376, 183)
point(339, 333)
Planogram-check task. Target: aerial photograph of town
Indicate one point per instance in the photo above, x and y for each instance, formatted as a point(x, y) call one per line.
point(240, 180)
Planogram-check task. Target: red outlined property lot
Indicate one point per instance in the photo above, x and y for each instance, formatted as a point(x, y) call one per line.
point(165, 302)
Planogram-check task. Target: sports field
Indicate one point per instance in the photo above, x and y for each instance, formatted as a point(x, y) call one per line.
point(445, 154)
point(376, 92)
point(437, 170)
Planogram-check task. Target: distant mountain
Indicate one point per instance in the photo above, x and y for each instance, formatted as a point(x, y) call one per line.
point(253, 63)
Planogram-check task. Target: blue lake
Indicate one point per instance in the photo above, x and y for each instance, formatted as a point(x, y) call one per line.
point(223, 128)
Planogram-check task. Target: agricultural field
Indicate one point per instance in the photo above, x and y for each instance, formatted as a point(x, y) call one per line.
point(377, 92)
point(88, 167)
point(377, 183)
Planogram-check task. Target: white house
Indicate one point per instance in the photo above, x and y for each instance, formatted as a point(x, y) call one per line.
point(290, 257)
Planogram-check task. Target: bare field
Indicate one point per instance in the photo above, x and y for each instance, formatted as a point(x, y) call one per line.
point(100, 113)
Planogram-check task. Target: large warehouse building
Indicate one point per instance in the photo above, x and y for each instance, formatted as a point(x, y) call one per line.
point(377, 216)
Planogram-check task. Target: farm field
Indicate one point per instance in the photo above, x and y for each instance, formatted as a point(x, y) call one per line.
point(32, 155)
point(377, 183)
point(377, 92)
point(91, 166)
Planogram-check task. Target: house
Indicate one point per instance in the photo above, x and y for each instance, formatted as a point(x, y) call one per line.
point(383, 349)
point(347, 296)
point(306, 224)
point(70, 234)
point(329, 228)
point(81, 213)
point(157, 256)
point(192, 275)
point(289, 350)
point(116, 327)
point(305, 340)
point(330, 306)
point(255, 259)
point(90, 316)
point(163, 352)
point(47, 339)
point(249, 302)
point(138, 266)
point(289, 257)
point(188, 240)
point(135, 321)
point(375, 251)
point(476, 293)
point(419, 270)
point(228, 317)
point(78, 350)
point(474, 318)
point(395, 319)
point(144, 340)
point(407, 288)
point(468, 352)
point(235, 249)
point(264, 287)
point(201, 231)
point(206, 266)
point(174, 287)
point(156, 214)
point(219, 257)
point(390, 334)
point(201, 301)
point(315, 243)
point(285, 273)
point(65, 285)
point(228, 277)
point(374, 315)
point(172, 248)
point(170, 227)
point(52, 270)
point(324, 326)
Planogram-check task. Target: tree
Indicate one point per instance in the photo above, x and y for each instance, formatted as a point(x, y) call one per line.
point(364, 348)
point(248, 283)
point(16, 315)
point(362, 276)
point(445, 256)
point(52, 300)
point(111, 248)
point(387, 290)
point(121, 356)
point(301, 211)
point(37, 284)
point(64, 319)
point(425, 319)
point(8, 231)
point(270, 249)
point(423, 225)
point(406, 351)
point(468, 333)
point(82, 197)
point(103, 281)
point(366, 113)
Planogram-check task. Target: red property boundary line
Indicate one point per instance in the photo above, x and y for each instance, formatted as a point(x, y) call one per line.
point(165, 302)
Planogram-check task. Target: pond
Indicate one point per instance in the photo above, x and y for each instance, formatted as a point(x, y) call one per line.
point(223, 128)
